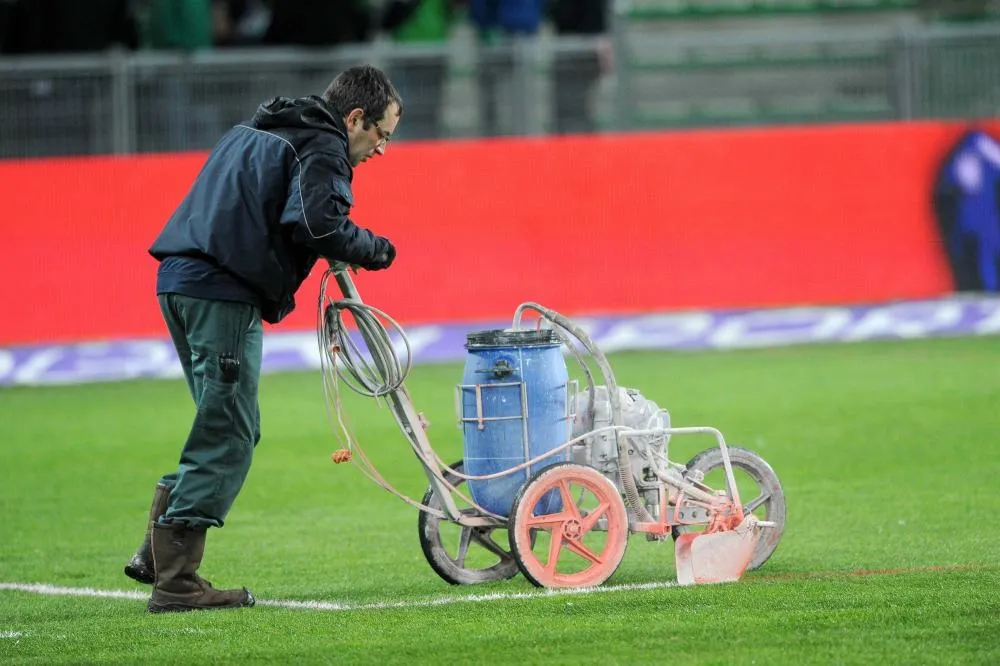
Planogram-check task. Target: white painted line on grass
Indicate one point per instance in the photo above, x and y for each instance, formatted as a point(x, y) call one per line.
point(10, 634)
point(465, 598)
point(42, 588)
point(54, 590)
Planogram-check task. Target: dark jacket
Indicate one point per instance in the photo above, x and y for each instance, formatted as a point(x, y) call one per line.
point(273, 196)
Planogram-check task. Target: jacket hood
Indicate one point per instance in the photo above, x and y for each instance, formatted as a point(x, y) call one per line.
point(304, 112)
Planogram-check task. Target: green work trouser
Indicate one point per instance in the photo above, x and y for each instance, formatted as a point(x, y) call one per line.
point(220, 347)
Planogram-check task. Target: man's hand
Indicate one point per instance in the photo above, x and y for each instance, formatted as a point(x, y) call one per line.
point(383, 256)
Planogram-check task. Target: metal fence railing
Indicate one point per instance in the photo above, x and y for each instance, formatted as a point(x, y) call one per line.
point(954, 73)
point(811, 74)
point(124, 103)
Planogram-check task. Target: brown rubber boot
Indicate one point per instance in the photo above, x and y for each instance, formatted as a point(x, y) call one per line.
point(177, 553)
point(140, 567)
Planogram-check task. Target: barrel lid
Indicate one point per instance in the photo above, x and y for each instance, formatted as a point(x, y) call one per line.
point(509, 338)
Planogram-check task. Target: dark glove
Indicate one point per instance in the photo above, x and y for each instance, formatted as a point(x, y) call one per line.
point(384, 255)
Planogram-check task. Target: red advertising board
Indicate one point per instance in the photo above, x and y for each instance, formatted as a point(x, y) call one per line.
point(631, 222)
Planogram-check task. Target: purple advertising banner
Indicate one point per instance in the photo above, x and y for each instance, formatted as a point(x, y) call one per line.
point(698, 330)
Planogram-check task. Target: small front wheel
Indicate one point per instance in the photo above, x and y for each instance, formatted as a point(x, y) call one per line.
point(568, 527)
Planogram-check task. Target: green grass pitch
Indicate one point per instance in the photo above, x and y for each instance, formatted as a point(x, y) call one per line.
point(888, 452)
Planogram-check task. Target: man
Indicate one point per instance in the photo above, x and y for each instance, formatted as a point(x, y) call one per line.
point(273, 197)
point(424, 72)
point(576, 72)
point(499, 24)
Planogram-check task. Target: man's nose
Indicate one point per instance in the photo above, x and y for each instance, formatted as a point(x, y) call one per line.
point(380, 150)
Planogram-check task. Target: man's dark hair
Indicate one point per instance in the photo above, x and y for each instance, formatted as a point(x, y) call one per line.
point(363, 87)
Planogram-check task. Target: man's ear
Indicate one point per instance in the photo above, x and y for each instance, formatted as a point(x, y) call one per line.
point(355, 117)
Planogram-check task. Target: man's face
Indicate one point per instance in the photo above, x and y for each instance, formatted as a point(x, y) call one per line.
point(363, 144)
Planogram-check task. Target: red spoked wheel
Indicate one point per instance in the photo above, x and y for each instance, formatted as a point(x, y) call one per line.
point(568, 527)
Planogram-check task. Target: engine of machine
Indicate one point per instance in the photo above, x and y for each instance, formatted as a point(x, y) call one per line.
point(600, 449)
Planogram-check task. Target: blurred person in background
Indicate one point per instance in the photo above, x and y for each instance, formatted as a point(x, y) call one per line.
point(68, 113)
point(178, 117)
point(322, 25)
point(200, 24)
point(272, 198)
point(576, 72)
point(241, 22)
point(68, 26)
point(184, 25)
point(499, 23)
point(319, 22)
point(6, 10)
point(421, 77)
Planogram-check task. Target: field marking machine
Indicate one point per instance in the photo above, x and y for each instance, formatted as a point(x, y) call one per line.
point(556, 473)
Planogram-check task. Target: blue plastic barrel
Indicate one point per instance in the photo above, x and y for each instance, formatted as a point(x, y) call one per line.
point(503, 427)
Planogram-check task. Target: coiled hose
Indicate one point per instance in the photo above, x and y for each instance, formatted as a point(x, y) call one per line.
point(376, 374)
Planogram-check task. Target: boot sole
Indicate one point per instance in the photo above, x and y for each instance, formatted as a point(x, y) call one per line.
point(179, 607)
